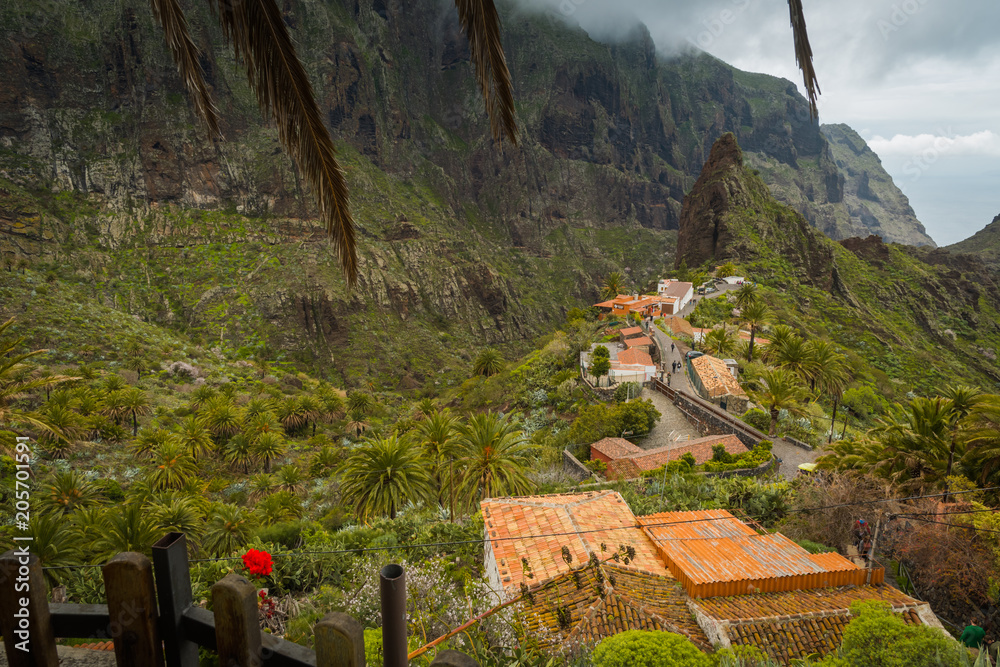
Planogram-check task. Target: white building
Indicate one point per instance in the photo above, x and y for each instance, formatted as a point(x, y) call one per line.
point(675, 289)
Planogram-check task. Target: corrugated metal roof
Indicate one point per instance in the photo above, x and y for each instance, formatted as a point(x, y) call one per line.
point(721, 555)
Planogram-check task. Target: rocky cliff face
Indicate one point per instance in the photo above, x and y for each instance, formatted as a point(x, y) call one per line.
point(101, 160)
point(874, 203)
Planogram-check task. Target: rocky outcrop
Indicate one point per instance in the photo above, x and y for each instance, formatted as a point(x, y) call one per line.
point(984, 244)
point(730, 215)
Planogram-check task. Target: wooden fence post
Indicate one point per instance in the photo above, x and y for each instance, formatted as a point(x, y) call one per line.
point(128, 583)
point(173, 591)
point(237, 628)
point(24, 611)
point(340, 641)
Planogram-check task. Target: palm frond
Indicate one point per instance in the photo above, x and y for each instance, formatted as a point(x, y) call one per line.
point(259, 36)
point(482, 28)
point(169, 15)
point(804, 54)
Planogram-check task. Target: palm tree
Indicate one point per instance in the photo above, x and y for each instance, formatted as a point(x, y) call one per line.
point(779, 390)
point(289, 478)
point(489, 362)
point(200, 396)
point(16, 383)
point(726, 270)
point(228, 529)
point(291, 415)
point(830, 376)
point(173, 466)
point(439, 436)
point(260, 405)
point(755, 315)
point(746, 295)
point(915, 441)
point(55, 543)
point(795, 355)
point(128, 529)
point(614, 284)
point(720, 342)
point(279, 507)
point(221, 418)
point(383, 474)
point(261, 486)
point(496, 457)
point(332, 405)
point(112, 383)
point(239, 452)
point(779, 336)
point(266, 447)
point(963, 401)
point(68, 427)
point(67, 492)
point(176, 512)
point(324, 461)
point(150, 441)
point(135, 402)
point(312, 410)
point(194, 437)
point(983, 436)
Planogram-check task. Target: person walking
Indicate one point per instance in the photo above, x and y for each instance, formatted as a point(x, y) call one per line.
point(671, 348)
point(668, 379)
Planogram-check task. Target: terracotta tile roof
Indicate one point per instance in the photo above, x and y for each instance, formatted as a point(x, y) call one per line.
point(614, 448)
point(632, 465)
point(757, 340)
point(738, 561)
point(633, 331)
point(634, 357)
point(598, 517)
point(638, 341)
point(98, 646)
point(715, 376)
point(590, 603)
point(766, 605)
point(604, 304)
point(788, 640)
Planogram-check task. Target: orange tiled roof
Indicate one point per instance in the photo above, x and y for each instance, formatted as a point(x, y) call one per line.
point(614, 448)
point(98, 646)
point(757, 340)
point(719, 557)
point(597, 517)
point(819, 600)
point(633, 331)
point(632, 465)
point(634, 357)
point(590, 603)
point(715, 376)
point(638, 341)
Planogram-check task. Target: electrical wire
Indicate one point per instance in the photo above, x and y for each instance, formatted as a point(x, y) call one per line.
point(956, 525)
point(548, 535)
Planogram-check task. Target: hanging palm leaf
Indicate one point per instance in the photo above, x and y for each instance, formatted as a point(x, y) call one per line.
point(804, 54)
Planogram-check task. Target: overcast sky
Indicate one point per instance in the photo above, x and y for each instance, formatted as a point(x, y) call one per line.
point(918, 79)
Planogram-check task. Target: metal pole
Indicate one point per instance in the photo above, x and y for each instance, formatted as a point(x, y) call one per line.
point(392, 589)
point(173, 591)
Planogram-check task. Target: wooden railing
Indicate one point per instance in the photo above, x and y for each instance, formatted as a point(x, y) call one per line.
point(152, 622)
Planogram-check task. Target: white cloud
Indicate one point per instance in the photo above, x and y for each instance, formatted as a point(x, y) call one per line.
point(978, 143)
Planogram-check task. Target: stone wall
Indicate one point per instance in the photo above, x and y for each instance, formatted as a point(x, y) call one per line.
point(574, 468)
point(708, 418)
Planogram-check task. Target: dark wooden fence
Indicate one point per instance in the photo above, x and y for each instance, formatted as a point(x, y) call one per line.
point(152, 622)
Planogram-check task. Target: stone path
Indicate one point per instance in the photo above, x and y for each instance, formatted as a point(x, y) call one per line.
point(673, 425)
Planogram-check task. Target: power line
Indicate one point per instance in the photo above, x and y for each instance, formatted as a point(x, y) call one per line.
point(548, 535)
point(953, 525)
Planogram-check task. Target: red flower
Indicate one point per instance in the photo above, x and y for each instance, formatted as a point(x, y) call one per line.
point(257, 562)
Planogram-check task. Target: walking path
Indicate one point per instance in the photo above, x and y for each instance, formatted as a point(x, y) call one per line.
point(674, 421)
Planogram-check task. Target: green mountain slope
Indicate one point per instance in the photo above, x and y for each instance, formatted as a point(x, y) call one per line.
point(985, 244)
point(108, 179)
point(914, 316)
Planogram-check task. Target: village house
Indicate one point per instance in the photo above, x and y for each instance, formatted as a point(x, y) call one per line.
point(713, 380)
point(627, 461)
point(625, 305)
point(680, 292)
point(585, 568)
point(629, 365)
point(631, 332)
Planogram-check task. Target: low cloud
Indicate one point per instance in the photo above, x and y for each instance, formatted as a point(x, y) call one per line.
point(978, 143)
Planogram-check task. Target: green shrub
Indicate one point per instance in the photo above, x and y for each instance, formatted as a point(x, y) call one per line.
point(876, 637)
point(287, 533)
point(640, 648)
point(373, 647)
point(720, 455)
point(627, 390)
point(815, 547)
point(757, 418)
